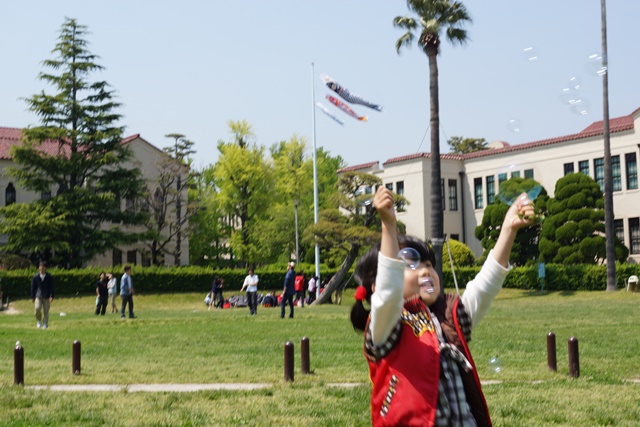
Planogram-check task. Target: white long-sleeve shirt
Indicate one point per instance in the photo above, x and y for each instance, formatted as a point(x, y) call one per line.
point(388, 299)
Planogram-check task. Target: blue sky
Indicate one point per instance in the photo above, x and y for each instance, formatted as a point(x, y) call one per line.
point(191, 66)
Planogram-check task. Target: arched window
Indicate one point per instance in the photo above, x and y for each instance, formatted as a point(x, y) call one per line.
point(9, 194)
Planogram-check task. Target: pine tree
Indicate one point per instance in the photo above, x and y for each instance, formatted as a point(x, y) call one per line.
point(76, 154)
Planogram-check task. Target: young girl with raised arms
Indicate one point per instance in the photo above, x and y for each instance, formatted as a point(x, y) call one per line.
point(420, 367)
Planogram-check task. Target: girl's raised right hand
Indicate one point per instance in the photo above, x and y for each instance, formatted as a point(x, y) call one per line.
point(383, 202)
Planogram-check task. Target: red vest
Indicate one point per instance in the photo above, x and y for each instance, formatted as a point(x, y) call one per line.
point(405, 382)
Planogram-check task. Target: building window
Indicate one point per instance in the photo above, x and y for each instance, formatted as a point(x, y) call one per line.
point(453, 195)
point(632, 171)
point(583, 167)
point(618, 226)
point(45, 195)
point(455, 237)
point(634, 235)
point(130, 205)
point(145, 259)
point(132, 257)
point(116, 258)
point(616, 173)
point(491, 189)
point(515, 174)
point(442, 192)
point(9, 195)
point(400, 192)
point(477, 186)
point(528, 174)
point(389, 186)
point(568, 168)
point(598, 171)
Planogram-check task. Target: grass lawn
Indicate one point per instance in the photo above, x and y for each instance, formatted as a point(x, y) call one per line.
point(175, 339)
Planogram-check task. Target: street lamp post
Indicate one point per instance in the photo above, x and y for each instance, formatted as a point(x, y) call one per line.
point(296, 202)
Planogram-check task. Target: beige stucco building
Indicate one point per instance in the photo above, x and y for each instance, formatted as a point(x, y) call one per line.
point(146, 158)
point(470, 181)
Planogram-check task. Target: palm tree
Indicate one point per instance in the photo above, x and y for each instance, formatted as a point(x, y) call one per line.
point(433, 18)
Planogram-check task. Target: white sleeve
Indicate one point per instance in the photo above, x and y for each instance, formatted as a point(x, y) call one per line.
point(482, 290)
point(388, 298)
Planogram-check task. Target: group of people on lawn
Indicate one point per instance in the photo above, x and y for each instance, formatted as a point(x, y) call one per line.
point(293, 293)
point(106, 291)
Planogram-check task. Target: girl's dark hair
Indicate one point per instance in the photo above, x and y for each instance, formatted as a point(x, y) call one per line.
point(367, 269)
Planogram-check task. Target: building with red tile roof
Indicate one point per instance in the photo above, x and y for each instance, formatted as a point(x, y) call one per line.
point(470, 181)
point(146, 158)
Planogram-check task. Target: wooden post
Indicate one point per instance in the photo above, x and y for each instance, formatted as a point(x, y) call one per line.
point(288, 361)
point(574, 360)
point(551, 352)
point(304, 352)
point(18, 364)
point(75, 363)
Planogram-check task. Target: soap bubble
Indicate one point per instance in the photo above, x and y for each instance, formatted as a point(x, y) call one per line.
point(530, 53)
point(514, 125)
point(510, 191)
point(595, 66)
point(572, 92)
point(410, 256)
point(495, 364)
point(364, 196)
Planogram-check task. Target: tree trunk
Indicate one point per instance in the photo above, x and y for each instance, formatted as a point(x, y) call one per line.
point(437, 219)
point(340, 276)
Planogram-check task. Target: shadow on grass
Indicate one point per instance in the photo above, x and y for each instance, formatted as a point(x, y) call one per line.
point(538, 293)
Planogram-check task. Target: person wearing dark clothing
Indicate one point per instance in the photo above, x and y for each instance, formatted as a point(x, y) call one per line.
point(126, 292)
point(42, 295)
point(216, 290)
point(102, 292)
point(289, 290)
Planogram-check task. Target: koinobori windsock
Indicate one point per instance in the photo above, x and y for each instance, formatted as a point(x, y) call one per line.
point(328, 113)
point(346, 95)
point(344, 107)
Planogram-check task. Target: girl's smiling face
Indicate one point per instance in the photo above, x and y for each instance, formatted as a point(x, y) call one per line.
point(420, 277)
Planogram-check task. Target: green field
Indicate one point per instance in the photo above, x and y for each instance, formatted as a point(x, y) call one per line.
point(177, 340)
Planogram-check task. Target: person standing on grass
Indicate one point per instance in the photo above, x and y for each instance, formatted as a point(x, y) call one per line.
point(102, 292)
point(312, 289)
point(416, 338)
point(112, 286)
point(299, 287)
point(126, 292)
point(289, 290)
point(251, 284)
point(42, 295)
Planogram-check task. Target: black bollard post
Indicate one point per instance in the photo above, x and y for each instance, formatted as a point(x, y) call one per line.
point(304, 352)
point(551, 352)
point(574, 361)
point(18, 364)
point(288, 361)
point(75, 368)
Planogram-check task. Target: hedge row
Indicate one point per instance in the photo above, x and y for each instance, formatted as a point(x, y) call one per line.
point(16, 283)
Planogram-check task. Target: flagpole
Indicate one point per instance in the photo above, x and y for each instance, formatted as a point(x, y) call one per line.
point(315, 176)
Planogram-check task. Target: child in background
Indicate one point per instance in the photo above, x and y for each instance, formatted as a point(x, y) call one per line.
point(416, 339)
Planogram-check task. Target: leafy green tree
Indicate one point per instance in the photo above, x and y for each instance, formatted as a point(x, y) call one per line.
point(432, 18)
point(462, 255)
point(244, 179)
point(350, 226)
point(573, 232)
point(525, 246)
point(209, 229)
point(75, 159)
point(460, 145)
